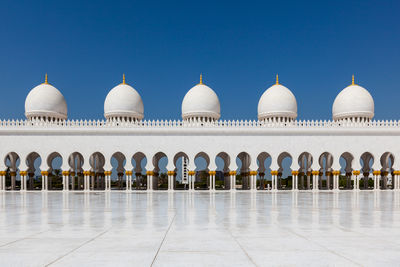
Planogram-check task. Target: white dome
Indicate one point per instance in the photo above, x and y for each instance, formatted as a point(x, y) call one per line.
point(45, 101)
point(353, 101)
point(277, 101)
point(123, 101)
point(201, 101)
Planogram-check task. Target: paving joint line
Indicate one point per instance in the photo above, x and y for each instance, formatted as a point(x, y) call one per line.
point(322, 246)
point(21, 239)
point(162, 241)
point(244, 251)
point(75, 249)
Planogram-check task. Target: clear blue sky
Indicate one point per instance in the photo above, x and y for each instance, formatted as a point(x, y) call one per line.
point(162, 47)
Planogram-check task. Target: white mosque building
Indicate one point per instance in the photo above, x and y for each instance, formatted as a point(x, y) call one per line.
point(350, 152)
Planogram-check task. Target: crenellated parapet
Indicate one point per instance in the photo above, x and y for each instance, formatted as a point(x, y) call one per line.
point(199, 123)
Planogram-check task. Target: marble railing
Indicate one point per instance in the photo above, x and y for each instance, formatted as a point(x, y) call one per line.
point(199, 123)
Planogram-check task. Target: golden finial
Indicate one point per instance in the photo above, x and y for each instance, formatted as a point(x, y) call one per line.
point(45, 79)
point(277, 79)
point(201, 78)
point(123, 78)
point(352, 80)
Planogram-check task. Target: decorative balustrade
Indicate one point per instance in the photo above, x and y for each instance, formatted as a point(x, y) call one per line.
point(198, 124)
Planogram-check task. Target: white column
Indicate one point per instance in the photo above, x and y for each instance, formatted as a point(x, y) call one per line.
point(109, 180)
point(210, 180)
point(336, 180)
point(2, 181)
point(23, 180)
point(128, 178)
point(150, 175)
point(233, 180)
point(295, 180)
point(193, 179)
point(376, 180)
point(213, 180)
point(274, 180)
point(65, 175)
point(189, 181)
point(171, 180)
point(72, 174)
point(356, 180)
point(86, 180)
point(44, 180)
point(315, 175)
point(253, 181)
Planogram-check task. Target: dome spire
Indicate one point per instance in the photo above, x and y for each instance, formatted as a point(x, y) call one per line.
point(45, 79)
point(352, 80)
point(277, 79)
point(201, 78)
point(123, 78)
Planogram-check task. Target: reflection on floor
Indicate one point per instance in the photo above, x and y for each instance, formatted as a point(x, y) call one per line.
point(199, 229)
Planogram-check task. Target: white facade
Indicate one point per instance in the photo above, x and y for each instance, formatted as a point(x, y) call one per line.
point(315, 147)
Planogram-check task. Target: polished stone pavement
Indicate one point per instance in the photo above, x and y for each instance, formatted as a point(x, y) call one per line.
point(200, 229)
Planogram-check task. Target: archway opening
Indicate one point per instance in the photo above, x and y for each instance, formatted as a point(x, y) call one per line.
point(346, 171)
point(387, 177)
point(75, 162)
point(33, 161)
point(139, 176)
point(366, 161)
point(201, 178)
point(326, 177)
point(222, 177)
point(305, 161)
point(181, 179)
point(118, 175)
point(160, 178)
point(13, 181)
point(97, 162)
point(285, 179)
point(264, 161)
point(243, 161)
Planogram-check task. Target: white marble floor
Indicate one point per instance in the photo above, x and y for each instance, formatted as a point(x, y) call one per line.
point(200, 229)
